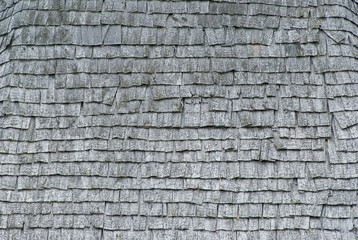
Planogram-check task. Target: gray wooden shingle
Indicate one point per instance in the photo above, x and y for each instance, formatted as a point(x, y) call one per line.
point(225, 119)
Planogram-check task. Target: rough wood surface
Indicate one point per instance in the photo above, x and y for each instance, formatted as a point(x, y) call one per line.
point(232, 119)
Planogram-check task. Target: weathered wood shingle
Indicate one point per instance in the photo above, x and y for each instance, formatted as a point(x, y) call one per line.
point(225, 119)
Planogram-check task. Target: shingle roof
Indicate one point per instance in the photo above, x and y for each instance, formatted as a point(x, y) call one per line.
point(229, 119)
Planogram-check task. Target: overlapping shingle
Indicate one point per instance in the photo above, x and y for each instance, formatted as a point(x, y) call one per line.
point(227, 119)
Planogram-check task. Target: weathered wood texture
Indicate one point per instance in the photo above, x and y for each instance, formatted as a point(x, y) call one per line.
point(233, 119)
